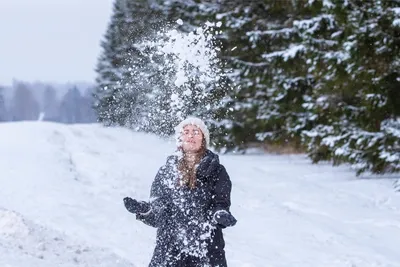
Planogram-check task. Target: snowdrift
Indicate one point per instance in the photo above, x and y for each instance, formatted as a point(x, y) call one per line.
point(23, 243)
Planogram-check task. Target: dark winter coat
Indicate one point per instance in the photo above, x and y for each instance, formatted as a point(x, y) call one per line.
point(186, 234)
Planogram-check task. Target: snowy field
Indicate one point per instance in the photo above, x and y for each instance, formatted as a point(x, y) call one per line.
point(61, 190)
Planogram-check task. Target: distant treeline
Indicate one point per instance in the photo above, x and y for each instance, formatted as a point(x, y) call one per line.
point(28, 102)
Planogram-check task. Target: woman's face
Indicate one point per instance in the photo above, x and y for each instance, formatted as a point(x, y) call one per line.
point(192, 138)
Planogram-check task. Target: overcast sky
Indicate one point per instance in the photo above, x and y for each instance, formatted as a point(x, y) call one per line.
point(51, 40)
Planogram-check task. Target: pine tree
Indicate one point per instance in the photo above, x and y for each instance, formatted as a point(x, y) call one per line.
point(24, 104)
point(121, 66)
point(256, 44)
point(216, 103)
point(88, 113)
point(3, 109)
point(145, 92)
point(71, 107)
point(356, 100)
point(169, 100)
point(112, 101)
point(283, 80)
point(193, 14)
point(268, 94)
point(50, 104)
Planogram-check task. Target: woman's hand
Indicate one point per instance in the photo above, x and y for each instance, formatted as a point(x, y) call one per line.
point(134, 206)
point(224, 218)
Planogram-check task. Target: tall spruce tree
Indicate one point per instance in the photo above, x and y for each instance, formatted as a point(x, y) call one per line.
point(217, 106)
point(192, 13)
point(143, 90)
point(356, 100)
point(120, 81)
point(257, 47)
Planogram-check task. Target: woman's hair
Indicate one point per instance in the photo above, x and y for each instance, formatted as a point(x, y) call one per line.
point(187, 173)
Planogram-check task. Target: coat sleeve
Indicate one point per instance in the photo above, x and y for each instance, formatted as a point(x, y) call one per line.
point(158, 203)
point(222, 191)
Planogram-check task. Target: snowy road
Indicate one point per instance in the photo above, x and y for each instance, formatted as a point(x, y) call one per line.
point(67, 182)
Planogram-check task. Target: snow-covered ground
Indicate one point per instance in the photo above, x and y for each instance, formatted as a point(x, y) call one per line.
point(61, 191)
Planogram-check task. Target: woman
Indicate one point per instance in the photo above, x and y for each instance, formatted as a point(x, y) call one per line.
point(189, 203)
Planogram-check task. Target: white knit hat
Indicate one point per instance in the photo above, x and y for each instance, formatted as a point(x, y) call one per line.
point(193, 121)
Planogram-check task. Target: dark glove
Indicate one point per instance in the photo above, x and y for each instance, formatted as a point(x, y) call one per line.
point(207, 166)
point(224, 218)
point(134, 206)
